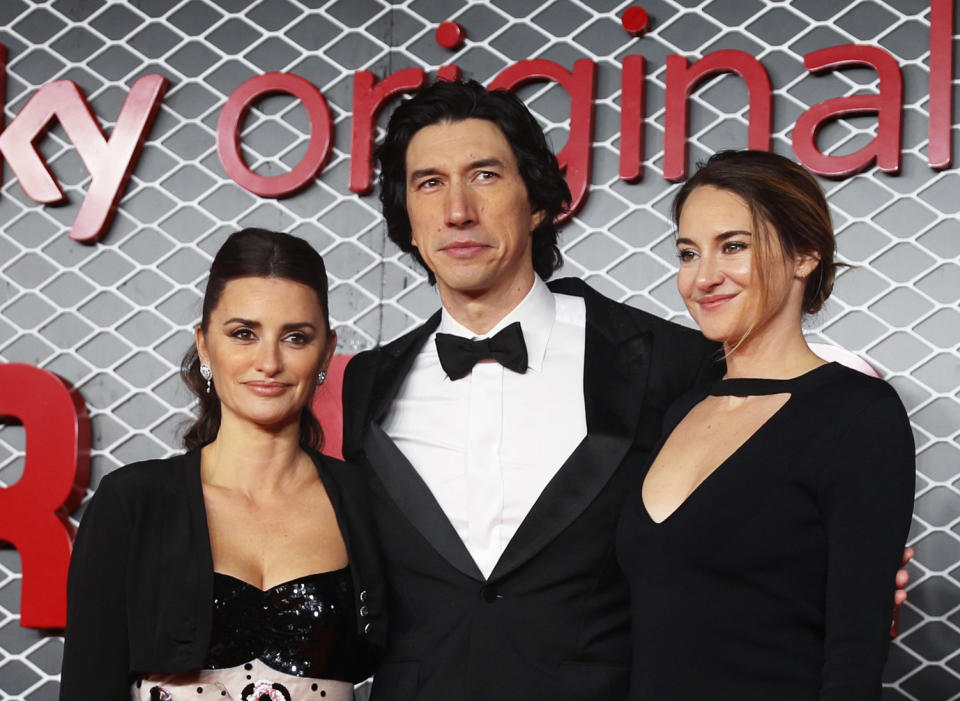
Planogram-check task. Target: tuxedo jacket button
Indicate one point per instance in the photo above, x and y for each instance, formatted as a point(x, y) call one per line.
point(367, 628)
point(489, 593)
point(364, 611)
point(363, 595)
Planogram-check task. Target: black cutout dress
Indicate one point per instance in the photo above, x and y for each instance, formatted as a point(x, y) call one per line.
point(775, 578)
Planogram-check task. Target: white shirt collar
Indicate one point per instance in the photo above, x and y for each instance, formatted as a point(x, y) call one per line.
point(536, 313)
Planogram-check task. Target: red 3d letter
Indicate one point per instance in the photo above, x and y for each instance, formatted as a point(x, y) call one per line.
point(327, 406)
point(940, 106)
point(33, 511)
point(451, 73)
point(574, 158)
point(231, 119)
point(681, 79)
point(109, 161)
point(885, 148)
point(631, 118)
point(369, 97)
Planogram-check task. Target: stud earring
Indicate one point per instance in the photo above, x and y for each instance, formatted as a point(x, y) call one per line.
point(321, 377)
point(206, 372)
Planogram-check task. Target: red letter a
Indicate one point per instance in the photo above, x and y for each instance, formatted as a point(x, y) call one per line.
point(885, 148)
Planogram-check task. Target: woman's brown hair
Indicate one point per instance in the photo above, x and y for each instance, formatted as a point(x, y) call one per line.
point(787, 205)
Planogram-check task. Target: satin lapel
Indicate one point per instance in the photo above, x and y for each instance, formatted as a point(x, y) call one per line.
point(399, 478)
point(393, 364)
point(415, 500)
point(616, 360)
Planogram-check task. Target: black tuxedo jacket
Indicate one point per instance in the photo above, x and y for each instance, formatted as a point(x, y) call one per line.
point(551, 622)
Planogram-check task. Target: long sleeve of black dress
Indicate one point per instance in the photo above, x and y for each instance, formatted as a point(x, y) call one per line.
point(775, 578)
point(866, 498)
point(96, 648)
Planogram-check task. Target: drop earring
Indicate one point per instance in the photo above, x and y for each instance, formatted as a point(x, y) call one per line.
point(321, 377)
point(206, 373)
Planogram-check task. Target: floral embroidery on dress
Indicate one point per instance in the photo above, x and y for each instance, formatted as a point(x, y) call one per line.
point(265, 691)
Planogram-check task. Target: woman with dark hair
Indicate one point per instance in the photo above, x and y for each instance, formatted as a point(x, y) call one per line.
point(761, 544)
point(244, 568)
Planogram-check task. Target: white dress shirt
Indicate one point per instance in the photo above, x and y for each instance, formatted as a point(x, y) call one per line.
point(487, 444)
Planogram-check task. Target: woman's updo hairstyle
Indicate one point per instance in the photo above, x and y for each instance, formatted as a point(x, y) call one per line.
point(787, 205)
point(252, 253)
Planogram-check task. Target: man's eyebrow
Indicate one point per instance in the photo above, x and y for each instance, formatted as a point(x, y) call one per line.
point(423, 172)
point(479, 163)
point(485, 162)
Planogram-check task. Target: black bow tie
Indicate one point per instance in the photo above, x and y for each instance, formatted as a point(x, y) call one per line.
point(458, 355)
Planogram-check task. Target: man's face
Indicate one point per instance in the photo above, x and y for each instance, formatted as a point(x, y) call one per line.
point(469, 211)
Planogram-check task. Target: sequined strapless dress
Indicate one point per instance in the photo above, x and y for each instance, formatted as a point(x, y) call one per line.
point(296, 641)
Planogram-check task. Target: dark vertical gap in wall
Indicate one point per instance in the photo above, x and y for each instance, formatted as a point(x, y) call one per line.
point(383, 223)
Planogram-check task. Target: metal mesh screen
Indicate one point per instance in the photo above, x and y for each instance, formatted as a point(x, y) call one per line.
point(114, 318)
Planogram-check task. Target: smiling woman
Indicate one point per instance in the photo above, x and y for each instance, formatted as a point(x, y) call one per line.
point(779, 500)
point(264, 359)
point(227, 569)
point(260, 272)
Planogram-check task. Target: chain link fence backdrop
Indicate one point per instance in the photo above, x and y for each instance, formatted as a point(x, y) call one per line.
point(114, 318)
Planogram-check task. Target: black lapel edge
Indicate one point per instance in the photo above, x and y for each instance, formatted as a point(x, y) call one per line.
point(415, 501)
point(616, 364)
point(394, 362)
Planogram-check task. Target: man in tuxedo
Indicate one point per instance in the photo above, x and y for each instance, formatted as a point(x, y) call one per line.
point(496, 487)
point(501, 436)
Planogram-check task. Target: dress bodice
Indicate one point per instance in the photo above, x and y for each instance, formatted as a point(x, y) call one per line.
point(304, 627)
point(296, 640)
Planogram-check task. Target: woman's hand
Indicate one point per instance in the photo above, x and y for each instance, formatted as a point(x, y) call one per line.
point(900, 594)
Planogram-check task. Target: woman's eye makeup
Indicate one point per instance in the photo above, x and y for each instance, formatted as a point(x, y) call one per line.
point(735, 246)
point(242, 333)
point(298, 338)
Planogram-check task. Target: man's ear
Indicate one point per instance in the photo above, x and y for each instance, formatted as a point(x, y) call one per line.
point(536, 219)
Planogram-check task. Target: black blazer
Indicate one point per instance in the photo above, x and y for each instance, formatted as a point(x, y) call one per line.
point(552, 620)
point(140, 589)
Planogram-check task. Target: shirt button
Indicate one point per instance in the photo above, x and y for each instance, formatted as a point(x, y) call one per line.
point(363, 595)
point(367, 628)
point(364, 611)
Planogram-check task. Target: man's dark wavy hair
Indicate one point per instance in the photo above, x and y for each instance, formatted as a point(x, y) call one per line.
point(454, 101)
